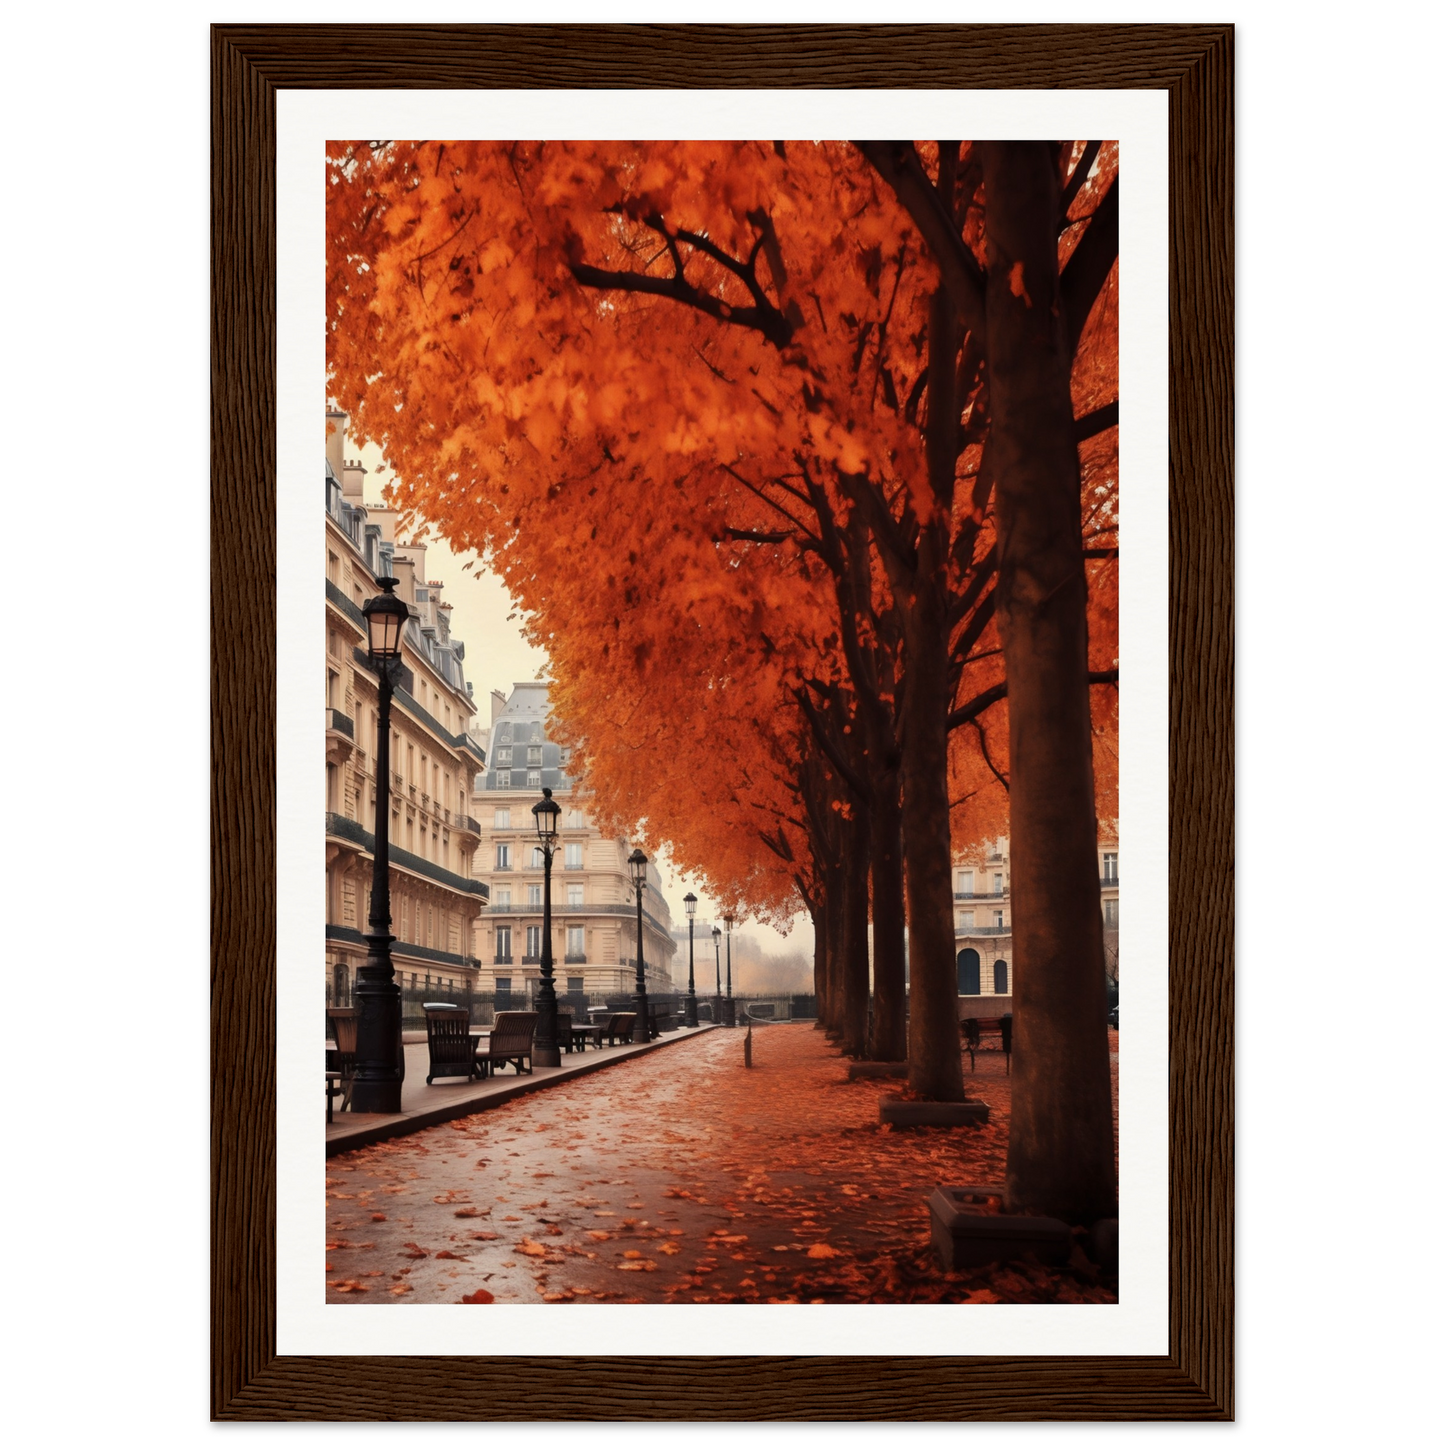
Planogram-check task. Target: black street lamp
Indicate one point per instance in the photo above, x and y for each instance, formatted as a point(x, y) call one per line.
point(729, 1015)
point(376, 1088)
point(545, 1051)
point(689, 1016)
point(637, 866)
point(717, 966)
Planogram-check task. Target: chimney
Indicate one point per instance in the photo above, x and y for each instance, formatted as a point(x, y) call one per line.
point(499, 703)
point(403, 567)
point(351, 481)
point(335, 437)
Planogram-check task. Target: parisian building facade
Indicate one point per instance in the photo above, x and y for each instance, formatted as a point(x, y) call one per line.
point(435, 899)
point(594, 913)
point(983, 919)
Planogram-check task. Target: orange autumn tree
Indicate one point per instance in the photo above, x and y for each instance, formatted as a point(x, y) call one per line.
point(539, 334)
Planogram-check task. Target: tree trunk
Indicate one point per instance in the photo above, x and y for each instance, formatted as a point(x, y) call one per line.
point(1061, 1148)
point(934, 1057)
point(833, 906)
point(889, 1039)
point(819, 916)
point(854, 991)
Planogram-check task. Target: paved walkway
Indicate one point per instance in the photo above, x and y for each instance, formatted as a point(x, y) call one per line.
point(424, 1105)
point(680, 1176)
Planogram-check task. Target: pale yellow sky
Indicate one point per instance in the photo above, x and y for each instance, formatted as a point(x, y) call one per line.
point(498, 656)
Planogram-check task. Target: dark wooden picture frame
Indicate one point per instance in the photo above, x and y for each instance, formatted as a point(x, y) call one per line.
point(249, 64)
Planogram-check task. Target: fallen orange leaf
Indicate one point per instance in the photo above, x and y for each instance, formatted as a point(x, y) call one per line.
point(481, 1297)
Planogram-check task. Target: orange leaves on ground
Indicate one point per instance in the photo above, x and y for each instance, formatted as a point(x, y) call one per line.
point(822, 1251)
point(471, 1212)
point(530, 1246)
point(349, 1286)
point(447, 1254)
point(479, 1297)
point(483, 1234)
point(378, 1219)
point(414, 1251)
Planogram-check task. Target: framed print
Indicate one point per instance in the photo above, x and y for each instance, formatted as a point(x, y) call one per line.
point(268, 83)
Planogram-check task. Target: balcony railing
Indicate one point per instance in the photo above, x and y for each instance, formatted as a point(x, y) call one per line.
point(998, 893)
point(974, 932)
point(1109, 882)
point(470, 824)
point(338, 721)
point(339, 826)
point(575, 958)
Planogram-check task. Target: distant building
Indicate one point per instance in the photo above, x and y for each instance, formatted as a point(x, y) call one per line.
point(434, 899)
point(983, 919)
point(594, 928)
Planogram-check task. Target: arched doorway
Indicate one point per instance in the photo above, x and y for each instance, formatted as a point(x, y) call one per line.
point(341, 985)
point(968, 972)
point(1000, 975)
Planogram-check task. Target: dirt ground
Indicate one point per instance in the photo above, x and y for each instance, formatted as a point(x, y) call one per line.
point(681, 1176)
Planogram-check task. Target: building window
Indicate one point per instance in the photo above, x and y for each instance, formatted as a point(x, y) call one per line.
point(576, 942)
point(504, 942)
point(536, 857)
point(575, 986)
point(534, 895)
point(341, 984)
point(1111, 867)
point(968, 972)
point(504, 856)
point(1000, 975)
point(504, 898)
point(998, 882)
point(534, 941)
point(534, 778)
point(504, 992)
point(575, 819)
point(504, 757)
point(573, 855)
point(502, 818)
point(534, 756)
point(964, 888)
point(965, 922)
point(998, 918)
point(504, 780)
point(1111, 912)
point(574, 895)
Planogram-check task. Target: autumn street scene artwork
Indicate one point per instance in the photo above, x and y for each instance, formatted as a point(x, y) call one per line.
point(722, 857)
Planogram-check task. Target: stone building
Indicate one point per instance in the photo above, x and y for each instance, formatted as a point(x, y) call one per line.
point(434, 899)
point(983, 922)
point(594, 914)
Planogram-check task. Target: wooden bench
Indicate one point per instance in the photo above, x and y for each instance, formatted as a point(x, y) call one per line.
point(510, 1042)
point(973, 1031)
point(343, 1058)
point(451, 1050)
point(619, 1030)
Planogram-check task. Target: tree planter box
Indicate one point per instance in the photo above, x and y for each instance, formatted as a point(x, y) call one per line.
point(965, 1235)
point(877, 1069)
point(928, 1113)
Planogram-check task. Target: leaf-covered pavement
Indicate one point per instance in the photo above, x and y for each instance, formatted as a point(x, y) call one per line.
point(679, 1176)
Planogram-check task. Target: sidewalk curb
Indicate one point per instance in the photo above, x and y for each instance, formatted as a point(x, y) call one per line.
point(394, 1126)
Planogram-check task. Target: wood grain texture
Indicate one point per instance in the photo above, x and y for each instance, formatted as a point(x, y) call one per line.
point(1196, 1379)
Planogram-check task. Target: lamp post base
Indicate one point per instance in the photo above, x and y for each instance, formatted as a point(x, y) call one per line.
point(730, 1016)
point(546, 1058)
point(689, 1011)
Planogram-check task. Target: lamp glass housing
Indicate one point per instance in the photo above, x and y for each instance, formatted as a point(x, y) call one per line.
point(637, 867)
point(386, 616)
point(690, 903)
point(546, 814)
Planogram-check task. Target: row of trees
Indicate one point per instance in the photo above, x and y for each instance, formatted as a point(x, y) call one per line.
point(801, 460)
